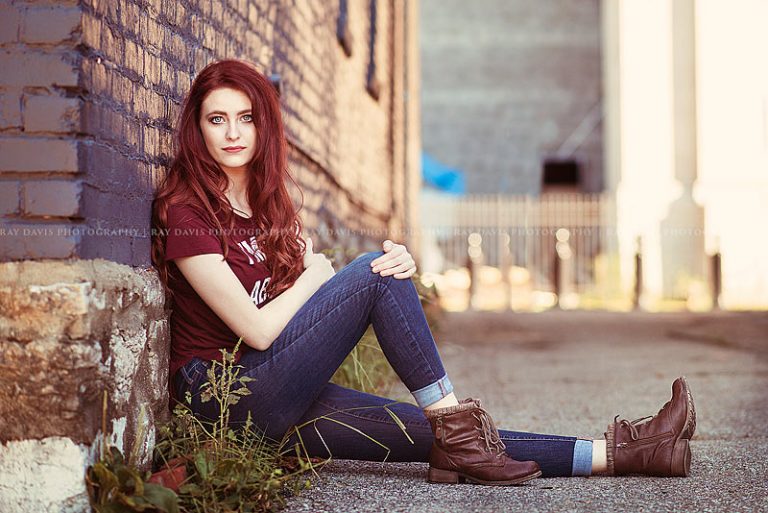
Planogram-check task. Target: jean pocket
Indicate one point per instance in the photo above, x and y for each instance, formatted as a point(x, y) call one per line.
point(193, 370)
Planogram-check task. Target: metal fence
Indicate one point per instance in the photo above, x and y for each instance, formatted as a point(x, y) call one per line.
point(555, 236)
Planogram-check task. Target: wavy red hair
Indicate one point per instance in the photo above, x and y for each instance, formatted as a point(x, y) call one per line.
point(194, 177)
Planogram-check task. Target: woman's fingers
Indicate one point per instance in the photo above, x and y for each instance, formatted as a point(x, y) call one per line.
point(407, 274)
point(395, 261)
point(307, 251)
point(395, 256)
point(399, 267)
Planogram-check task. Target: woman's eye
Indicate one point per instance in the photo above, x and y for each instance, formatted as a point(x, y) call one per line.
point(214, 118)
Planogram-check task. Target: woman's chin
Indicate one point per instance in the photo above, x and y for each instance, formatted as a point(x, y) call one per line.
point(228, 164)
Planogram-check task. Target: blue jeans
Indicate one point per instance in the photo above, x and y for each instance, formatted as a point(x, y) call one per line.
point(291, 379)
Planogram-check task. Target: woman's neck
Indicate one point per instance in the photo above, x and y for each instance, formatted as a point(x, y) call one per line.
point(237, 189)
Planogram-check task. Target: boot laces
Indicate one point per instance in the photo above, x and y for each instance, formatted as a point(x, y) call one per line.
point(488, 428)
point(633, 424)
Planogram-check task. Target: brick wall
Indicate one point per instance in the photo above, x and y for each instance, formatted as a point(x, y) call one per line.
point(40, 112)
point(89, 93)
point(86, 119)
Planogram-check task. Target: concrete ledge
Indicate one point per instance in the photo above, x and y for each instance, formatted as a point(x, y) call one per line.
point(44, 475)
point(70, 330)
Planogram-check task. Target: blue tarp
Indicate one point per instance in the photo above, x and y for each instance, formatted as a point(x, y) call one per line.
point(441, 176)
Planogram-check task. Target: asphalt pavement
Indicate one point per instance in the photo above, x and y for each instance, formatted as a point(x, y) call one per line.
point(570, 373)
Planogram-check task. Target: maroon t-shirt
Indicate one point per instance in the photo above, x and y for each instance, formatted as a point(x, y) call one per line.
point(195, 329)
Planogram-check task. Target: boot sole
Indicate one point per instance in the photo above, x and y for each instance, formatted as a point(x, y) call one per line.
point(681, 452)
point(690, 424)
point(437, 475)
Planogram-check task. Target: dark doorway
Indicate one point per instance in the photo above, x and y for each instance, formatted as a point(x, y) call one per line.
point(561, 176)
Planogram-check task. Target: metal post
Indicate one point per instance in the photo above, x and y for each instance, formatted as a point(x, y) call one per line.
point(557, 272)
point(563, 273)
point(638, 275)
point(717, 280)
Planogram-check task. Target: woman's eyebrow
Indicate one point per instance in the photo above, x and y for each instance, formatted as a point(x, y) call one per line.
point(222, 112)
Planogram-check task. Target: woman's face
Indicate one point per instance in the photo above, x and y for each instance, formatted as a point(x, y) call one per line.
point(227, 121)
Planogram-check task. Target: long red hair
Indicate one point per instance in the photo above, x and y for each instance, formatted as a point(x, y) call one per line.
point(195, 178)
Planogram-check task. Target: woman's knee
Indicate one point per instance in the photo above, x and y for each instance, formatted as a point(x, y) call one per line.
point(365, 259)
point(360, 272)
point(361, 266)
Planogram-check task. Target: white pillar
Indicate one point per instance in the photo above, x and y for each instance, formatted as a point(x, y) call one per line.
point(682, 238)
point(733, 143)
point(652, 108)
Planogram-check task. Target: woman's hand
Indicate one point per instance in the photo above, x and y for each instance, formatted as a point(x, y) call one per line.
point(317, 265)
point(396, 261)
point(307, 251)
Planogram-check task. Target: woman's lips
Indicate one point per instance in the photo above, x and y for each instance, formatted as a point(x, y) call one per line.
point(233, 150)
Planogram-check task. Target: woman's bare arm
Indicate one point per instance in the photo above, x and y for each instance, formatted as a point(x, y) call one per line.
point(219, 287)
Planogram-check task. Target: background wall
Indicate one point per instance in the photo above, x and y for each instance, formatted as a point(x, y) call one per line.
point(509, 83)
point(732, 116)
point(687, 148)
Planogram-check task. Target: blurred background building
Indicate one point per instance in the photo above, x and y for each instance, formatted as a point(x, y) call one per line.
point(511, 92)
point(615, 153)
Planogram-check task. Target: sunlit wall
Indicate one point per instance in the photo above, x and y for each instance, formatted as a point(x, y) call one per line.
point(732, 76)
point(686, 102)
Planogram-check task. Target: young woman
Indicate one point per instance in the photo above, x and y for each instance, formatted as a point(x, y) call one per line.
point(229, 247)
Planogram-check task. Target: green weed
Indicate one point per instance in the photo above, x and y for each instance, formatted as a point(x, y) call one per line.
point(232, 470)
point(116, 486)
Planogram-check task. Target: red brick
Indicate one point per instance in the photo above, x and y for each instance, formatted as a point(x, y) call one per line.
point(132, 59)
point(100, 7)
point(91, 27)
point(51, 114)
point(34, 68)
point(111, 13)
point(9, 23)
point(52, 198)
point(111, 44)
point(50, 24)
point(10, 108)
point(9, 197)
point(130, 16)
point(27, 241)
point(38, 155)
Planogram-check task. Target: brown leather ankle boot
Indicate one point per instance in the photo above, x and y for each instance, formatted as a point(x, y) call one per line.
point(467, 447)
point(658, 447)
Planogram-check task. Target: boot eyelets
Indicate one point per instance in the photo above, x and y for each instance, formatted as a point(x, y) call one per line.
point(482, 457)
point(640, 441)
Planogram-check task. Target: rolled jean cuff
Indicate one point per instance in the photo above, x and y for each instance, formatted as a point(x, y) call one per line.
point(582, 458)
point(430, 394)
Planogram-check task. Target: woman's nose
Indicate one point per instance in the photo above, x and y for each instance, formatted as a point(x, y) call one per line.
point(232, 131)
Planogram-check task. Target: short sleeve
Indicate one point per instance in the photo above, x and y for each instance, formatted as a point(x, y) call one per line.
point(189, 233)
